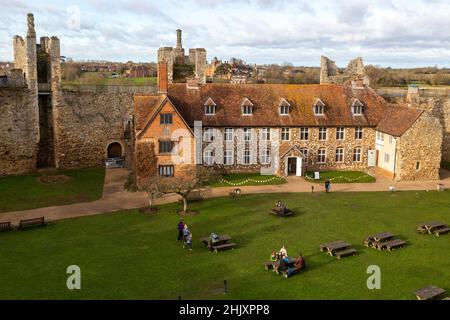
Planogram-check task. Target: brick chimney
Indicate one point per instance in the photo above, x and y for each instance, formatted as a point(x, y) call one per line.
point(163, 83)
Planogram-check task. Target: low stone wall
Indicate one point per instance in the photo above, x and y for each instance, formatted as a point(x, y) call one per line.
point(19, 132)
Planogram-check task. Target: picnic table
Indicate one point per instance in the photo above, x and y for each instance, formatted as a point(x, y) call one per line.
point(338, 249)
point(378, 239)
point(434, 226)
point(278, 211)
point(272, 264)
point(429, 292)
point(219, 245)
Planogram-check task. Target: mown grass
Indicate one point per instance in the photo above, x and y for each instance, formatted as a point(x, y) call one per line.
point(341, 177)
point(247, 179)
point(28, 192)
point(131, 255)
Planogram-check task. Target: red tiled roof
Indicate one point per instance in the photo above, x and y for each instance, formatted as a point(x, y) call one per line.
point(266, 100)
point(144, 107)
point(398, 119)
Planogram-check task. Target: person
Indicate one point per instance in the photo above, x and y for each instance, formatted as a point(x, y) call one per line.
point(283, 253)
point(327, 185)
point(283, 209)
point(180, 228)
point(274, 256)
point(278, 204)
point(188, 242)
point(298, 265)
point(282, 265)
point(186, 231)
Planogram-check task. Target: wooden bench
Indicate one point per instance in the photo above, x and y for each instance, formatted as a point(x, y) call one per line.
point(5, 226)
point(444, 230)
point(224, 246)
point(422, 230)
point(429, 293)
point(345, 253)
point(394, 244)
point(36, 222)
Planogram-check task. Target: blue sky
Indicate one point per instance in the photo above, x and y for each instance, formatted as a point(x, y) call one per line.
point(398, 33)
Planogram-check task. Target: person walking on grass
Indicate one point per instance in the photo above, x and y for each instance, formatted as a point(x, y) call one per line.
point(327, 185)
point(188, 242)
point(180, 228)
point(186, 231)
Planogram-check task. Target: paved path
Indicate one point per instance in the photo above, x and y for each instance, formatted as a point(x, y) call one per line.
point(116, 199)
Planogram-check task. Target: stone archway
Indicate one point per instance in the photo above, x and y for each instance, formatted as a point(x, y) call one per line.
point(114, 150)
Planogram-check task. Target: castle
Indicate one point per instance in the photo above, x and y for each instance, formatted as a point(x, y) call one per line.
point(340, 124)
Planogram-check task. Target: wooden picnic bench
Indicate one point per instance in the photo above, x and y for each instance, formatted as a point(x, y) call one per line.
point(5, 226)
point(277, 212)
point(338, 249)
point(378, 239)
point(429, 293)
point(36, 222)
point(442, 230)
point(270, 265)
point(393, 244)
point(219, 245)
point(433, 227)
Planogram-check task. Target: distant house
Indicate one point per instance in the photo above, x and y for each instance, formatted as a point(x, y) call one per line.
point(139, 71)
point(238, 79)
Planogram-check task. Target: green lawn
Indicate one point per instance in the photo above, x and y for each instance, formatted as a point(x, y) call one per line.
point(130, 255)
point(247, 179)
point(28, 192)
point(341, 177)
point(104, 78)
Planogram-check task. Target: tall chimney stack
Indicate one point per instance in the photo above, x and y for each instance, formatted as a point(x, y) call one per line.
point(163, 83)
point(179, 45)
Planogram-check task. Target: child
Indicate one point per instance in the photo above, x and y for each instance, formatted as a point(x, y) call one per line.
point(188, 242)
point(185, 231)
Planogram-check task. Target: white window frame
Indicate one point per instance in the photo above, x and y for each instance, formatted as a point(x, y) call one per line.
point(340, 133)
point(323, 131)
point(227, 133)
point(285, 134)
point(265, 156)
point(208, 135)
point(339, 155)
point(247, 134)
point(247, 158)
point(304, 131)
point(208, 157)
point(319, 109)
point(359, 133)
point(380, 138)
point(247, 110)
point(284, 110)
point(265, 134)
point(226, 155)
point(305, 153)
point(324, 155)
point(357, 154)
point(387, 157)
point(210, 110)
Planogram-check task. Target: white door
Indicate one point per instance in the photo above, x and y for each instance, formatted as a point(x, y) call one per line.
point(299, 167)
point(372, 158)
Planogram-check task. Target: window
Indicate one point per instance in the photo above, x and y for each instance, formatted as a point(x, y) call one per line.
point(340, 155)
point(265, 156)
point(386, 157)
point(265, 134)
point(340, 133)
point(166, 171)
point(304, 133)
point(380, 137)
point(210, 110)
point(285, 134)
point(247, 134)
point(358, 133)
point(322, 133)
point(228, 136)
point(321, 155)
point(247, 110)
point(284, 107)
point(357, 107)
point(208, 135)
point(417, 165)
point(247, 156)
point(319, 107)
point(208, 157)
point(304, 151)
point(357, 155)
point(390, 139)
point(228, 157)
point(165, 118)
point(165, 146)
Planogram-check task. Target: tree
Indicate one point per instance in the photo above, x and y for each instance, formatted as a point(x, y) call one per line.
point(189, 180)
point(153, 186)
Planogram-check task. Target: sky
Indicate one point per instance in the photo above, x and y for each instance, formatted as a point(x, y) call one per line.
point(397, 33)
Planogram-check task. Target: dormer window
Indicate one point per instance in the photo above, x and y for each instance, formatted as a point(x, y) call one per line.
point(247, 107)
point(319, 107)
point(284, 107)
point(210, 107)
point(357, 107)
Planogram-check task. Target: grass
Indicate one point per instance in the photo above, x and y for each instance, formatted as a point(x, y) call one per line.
point(28, 192)
point(445, 165)
point(247, 179)
point(130, 255)
point(342, 177)
point(104, 78)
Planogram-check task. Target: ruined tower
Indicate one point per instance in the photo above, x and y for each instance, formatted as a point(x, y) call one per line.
point(179, 51)
point(330, 73)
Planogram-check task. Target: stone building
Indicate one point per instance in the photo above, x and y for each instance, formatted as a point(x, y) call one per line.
point(176, 57)
point(289, 128)
point(330, 73)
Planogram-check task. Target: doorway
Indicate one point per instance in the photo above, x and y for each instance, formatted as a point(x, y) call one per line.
point(292, 166)
point(114, 150)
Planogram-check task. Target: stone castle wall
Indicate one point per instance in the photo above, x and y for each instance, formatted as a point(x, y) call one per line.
point(87, 124)
point(419, 156)
point(330, 73)
point(19, 131)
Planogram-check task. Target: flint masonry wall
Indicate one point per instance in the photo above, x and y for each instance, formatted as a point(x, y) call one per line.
point(88, 123)
point(19, 131)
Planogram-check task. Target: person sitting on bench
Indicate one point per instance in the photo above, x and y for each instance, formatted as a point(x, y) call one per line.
point(282, 265)
point(274, 256)
point(213, 238)
point(298, 265)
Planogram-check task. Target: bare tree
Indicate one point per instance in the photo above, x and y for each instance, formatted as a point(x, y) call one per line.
point(154, 188)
